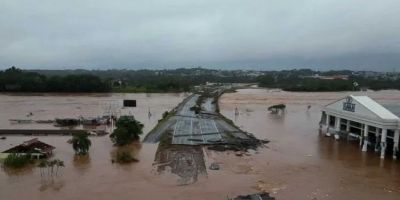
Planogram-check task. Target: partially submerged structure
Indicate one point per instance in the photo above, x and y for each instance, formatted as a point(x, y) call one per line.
point(276, 108)
point(67, 122)
point(33, 147)
point(362, 118)
point(256, 196)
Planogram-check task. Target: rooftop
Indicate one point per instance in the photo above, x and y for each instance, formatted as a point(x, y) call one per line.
point(394, 108)
point(375, 107)
point(31, 146)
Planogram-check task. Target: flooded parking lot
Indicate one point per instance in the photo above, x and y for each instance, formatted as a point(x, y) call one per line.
point(298, 163)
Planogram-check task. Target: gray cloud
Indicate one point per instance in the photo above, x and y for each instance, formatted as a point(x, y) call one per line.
point(261, 34)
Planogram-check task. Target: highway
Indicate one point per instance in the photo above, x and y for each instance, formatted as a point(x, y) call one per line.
point(190, 129)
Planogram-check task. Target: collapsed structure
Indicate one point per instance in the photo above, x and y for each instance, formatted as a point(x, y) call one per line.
point(360, 117)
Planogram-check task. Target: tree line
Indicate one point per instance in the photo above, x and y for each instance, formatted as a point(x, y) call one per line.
point(17, 80)
point(302, 80)
point(182, 80)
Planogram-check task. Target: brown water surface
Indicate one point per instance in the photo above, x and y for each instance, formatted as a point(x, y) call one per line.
point(298, 163)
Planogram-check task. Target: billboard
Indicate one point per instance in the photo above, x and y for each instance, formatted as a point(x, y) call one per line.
point(129, 103)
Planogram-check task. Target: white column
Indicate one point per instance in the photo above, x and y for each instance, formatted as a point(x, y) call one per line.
point(377, 142)
point(383, 142)
point(327, 125)
point(396, 143)
point(365, 138)
point(324, 125)
point(361, 135)
point(348, 129)
point(337, 127)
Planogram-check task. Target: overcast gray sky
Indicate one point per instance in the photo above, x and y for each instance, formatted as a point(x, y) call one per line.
point(254, 34)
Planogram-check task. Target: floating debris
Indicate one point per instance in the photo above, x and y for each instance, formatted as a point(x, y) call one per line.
point(239, 145)
point(67, 122)
point(44, 121)
point(21, 121)
point(214, 166)
point(276, 108)
point(257, 196)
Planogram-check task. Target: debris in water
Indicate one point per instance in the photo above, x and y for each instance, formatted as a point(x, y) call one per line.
point(239, 145)
point(258, 196)
point(239, 153)
point(276, 108)
point(214, 166)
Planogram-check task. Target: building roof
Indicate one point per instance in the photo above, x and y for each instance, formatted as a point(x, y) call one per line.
point(31, 146)
point(394, 108)
point(375, 107)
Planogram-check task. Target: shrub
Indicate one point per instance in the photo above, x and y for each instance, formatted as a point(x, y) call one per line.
point(81, 143)
point(128, 129)
point(17, 160)
point(165, 114)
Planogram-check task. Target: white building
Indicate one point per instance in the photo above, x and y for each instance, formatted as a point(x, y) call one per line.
point(362, 118)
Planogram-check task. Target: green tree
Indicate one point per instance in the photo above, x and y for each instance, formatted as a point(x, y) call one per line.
point(59, 164)
point(128, 129)
point(50, 164)
point(42, 165)
point(81, 143)
point(16, 160)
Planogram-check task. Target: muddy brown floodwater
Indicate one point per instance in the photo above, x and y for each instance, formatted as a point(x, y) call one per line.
point(298, 163)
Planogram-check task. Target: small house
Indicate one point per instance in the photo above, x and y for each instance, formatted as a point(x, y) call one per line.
point(34, 147)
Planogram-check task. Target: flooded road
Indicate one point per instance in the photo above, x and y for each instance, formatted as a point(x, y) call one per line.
point(298, 163)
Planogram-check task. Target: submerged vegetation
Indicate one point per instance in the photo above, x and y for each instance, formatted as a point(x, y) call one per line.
point(125, 157)
point(52, 167)
point(81, 143)
point(14, 160)
point(128, 130)
point(165, 114)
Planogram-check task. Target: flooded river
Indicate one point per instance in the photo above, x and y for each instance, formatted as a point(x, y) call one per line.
point(49, 106)
point(298, 163)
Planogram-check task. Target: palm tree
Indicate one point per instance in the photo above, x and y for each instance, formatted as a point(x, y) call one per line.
point(59, 164)
point(42, 165)
point(51, 164)
point(81, 143)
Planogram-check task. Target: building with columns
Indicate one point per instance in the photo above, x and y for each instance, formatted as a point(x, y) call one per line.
point(363, 119)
